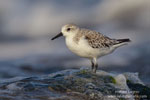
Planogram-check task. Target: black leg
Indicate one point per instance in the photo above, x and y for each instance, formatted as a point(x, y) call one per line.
point(95, 65)
point(92, 65)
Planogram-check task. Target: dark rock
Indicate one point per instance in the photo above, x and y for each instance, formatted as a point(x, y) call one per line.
point(75, 85)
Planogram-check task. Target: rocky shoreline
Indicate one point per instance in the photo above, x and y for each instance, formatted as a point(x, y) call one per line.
point(73, 84)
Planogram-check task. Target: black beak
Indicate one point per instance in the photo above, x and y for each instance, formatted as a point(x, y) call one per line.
point(58, 35)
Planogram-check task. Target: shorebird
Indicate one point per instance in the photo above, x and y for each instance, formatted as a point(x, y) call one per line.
point(89, 43)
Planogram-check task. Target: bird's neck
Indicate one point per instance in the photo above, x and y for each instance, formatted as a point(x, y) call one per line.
point(77, 37)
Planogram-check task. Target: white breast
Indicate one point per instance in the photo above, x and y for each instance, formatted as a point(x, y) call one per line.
point(82, 48)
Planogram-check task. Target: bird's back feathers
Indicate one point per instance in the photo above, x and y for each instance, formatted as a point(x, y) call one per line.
point(98, 40)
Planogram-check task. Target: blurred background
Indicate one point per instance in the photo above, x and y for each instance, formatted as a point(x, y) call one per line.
point(26, 27)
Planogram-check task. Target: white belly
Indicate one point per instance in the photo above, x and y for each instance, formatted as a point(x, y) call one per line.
point(84, 50)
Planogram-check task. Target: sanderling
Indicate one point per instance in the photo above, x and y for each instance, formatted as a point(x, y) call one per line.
point(88, 43)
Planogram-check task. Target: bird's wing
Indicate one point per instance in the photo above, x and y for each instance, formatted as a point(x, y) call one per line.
point(98, 40)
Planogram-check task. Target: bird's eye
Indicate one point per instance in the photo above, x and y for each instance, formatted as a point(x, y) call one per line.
point(68, 29)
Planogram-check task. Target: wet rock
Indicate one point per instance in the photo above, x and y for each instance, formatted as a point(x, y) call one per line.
point(74, 84)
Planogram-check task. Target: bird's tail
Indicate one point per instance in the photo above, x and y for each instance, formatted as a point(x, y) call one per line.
point(123, 40)
point(120, 42)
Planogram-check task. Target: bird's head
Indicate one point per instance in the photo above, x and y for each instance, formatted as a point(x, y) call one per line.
point(67, 30)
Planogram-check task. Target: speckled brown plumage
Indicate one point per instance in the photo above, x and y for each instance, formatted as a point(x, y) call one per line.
point(95, 39)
